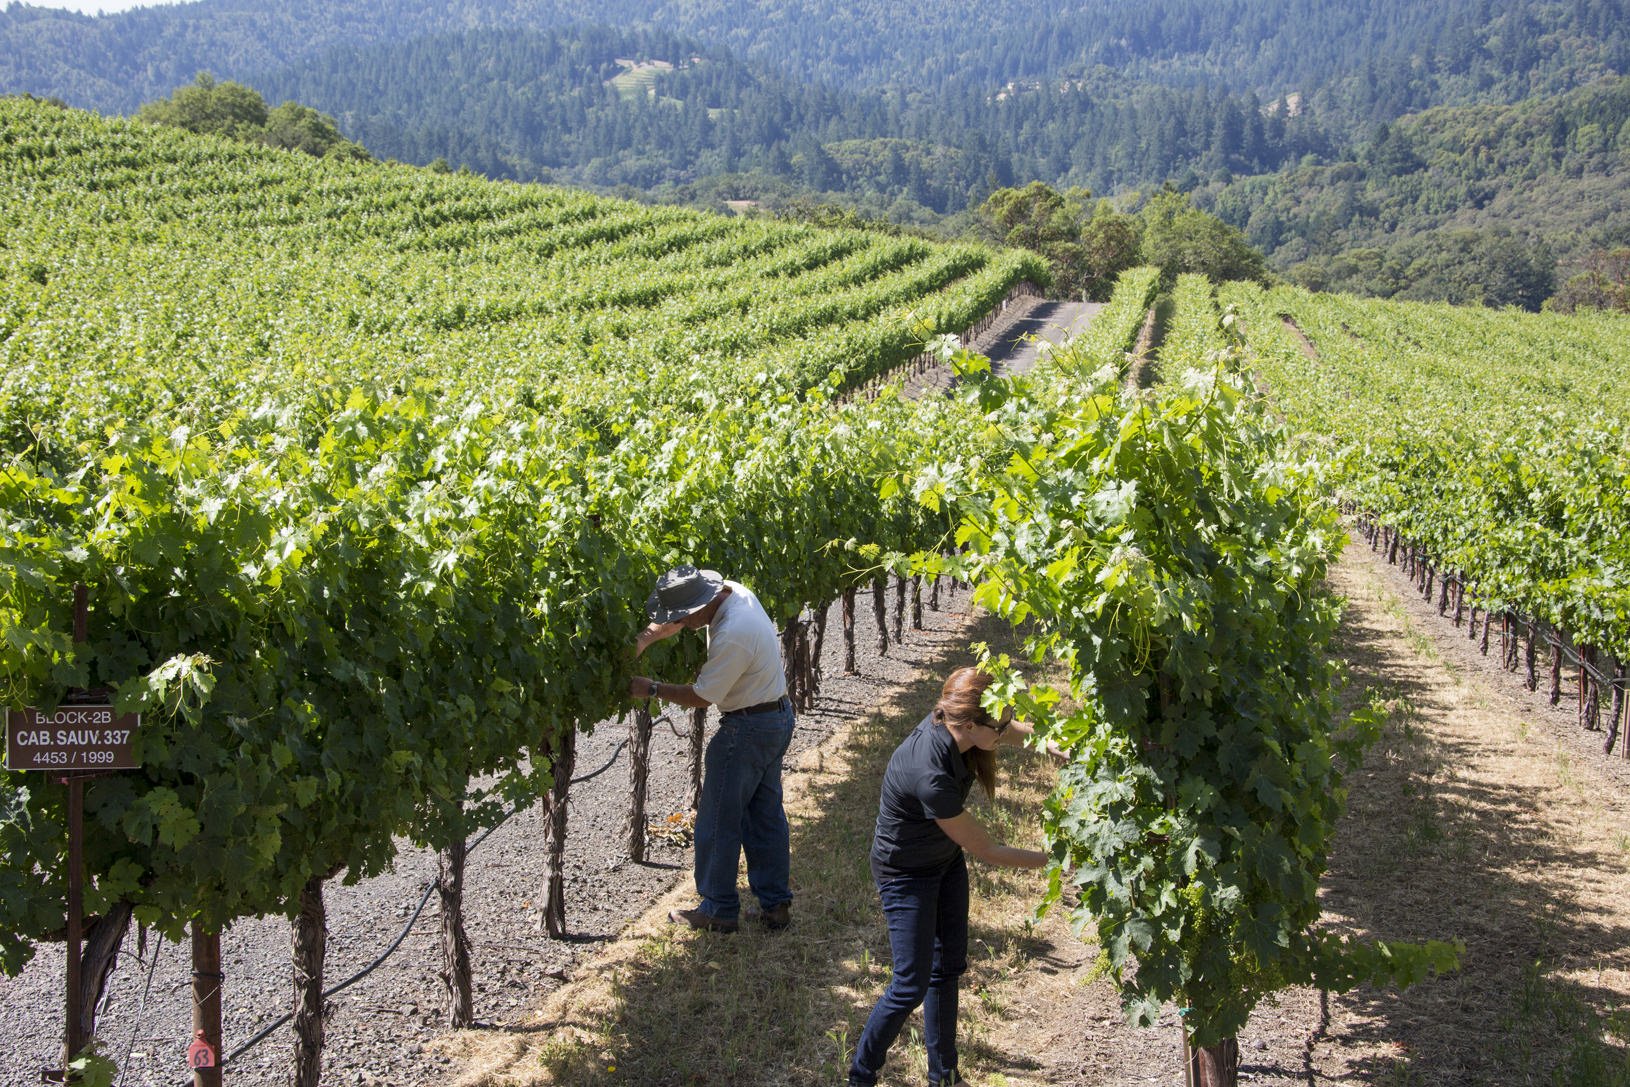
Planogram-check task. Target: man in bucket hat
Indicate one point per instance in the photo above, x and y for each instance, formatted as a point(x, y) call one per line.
point(740, 809)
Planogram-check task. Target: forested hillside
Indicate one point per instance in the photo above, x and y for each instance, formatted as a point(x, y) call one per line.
point(1370, 60)
point(598, 107)
point(1472, 150)
point(1467, 204)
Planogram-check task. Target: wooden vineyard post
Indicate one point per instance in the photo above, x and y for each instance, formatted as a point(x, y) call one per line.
point(1621, 711)
point(1460, 601)
point(1579, 688)
point(639, 772)
point(206, 1007)
point(74, 1035)
point(75, 1039)
point(1556, 667)
point(698, 733)
point(1590, 695)
point(899, 609)
point(849, 632)
point(554, 815)
point(310, 947)
point(917, 602)
point(816, 649)
point(880, 613)
point(456, 973)
point(1212, 1065)
point(1615, 715)
point(1531, 680)
point(790, 671)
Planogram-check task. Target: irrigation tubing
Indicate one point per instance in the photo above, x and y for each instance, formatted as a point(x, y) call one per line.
point(152, 967)
point(401, 936)
point(1553, 637)
point(1542, 630)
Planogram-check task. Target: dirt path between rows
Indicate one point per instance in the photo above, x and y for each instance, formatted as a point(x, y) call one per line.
point(1014, 345)
point(1485, 815)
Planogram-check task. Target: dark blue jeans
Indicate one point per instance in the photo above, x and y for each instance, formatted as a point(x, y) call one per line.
point(928, 935)
point(740, 811)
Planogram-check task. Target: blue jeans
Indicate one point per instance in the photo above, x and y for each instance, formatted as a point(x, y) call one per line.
point(740, 810)
point(928, 935)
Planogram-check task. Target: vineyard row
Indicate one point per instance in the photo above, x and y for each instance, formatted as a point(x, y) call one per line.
point(1597, 673)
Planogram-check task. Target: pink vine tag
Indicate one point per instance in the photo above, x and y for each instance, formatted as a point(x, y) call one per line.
point(200, 1054)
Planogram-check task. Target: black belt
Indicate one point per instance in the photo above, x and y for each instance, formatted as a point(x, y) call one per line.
point(762, 707)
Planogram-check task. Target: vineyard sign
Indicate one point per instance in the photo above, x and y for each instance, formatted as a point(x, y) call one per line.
point(92, 737)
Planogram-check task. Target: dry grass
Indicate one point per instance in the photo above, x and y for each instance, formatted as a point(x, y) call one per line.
point(1468, 821)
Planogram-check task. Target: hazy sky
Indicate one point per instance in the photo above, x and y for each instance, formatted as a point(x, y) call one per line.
point(94, 7)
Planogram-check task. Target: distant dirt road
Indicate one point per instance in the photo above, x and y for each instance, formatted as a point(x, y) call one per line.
point(1049, 322)
point(1014, 345)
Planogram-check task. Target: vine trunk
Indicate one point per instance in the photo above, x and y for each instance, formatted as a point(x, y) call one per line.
point(455, 942)
point(310, 946)
point(554, 814)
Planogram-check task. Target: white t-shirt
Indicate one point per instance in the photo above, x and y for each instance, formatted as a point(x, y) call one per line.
point(743, 654)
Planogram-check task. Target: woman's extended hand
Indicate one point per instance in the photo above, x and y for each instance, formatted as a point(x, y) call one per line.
point(1019, 732)
point(970, 834)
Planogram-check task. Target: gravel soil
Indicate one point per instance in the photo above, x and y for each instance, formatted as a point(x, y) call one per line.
point(379, 1027)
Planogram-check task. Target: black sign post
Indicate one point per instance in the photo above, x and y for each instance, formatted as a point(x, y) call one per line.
point(76, 910)
point(82, 738)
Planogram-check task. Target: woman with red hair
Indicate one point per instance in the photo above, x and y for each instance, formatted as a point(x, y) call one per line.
point(917, 862)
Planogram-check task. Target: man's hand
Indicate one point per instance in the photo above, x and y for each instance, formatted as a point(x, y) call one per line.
point(655, 633)
point(680, 694)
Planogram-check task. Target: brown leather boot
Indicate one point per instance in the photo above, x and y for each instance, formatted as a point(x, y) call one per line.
point(704, 922)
